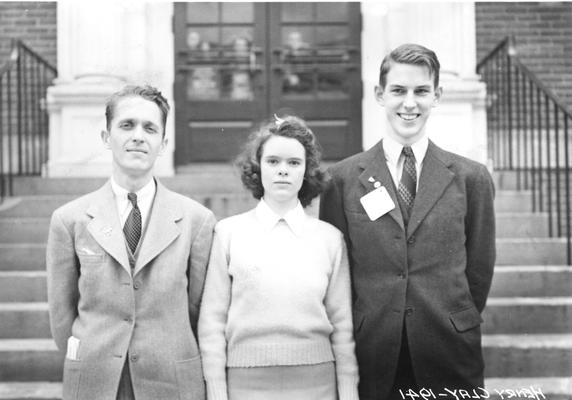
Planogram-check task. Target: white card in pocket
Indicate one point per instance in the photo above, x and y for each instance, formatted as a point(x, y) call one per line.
point(377, 203)
point(73, 347)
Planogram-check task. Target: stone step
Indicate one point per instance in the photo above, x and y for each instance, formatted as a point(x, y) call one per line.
point(30, 390)
point(23, 286)
point(552, 388)
point(521, 225)
point(532, 281)
point(508, 180)
point(495, 388)
point(24, 320)
point(222, 204)
point(199, 178)
point(513, 201)
point(22, 256)
point(34, 206)
point(531, 251)
point(527, 355)
point(36, 185)
point(528, 315)
point(42, 207)
point(24, 230)
point(23, 360)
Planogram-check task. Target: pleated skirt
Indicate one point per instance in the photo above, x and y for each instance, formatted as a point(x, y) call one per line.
point(299, 382)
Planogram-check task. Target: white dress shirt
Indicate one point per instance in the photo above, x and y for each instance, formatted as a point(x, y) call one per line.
point(393, 149)
point(145, 197)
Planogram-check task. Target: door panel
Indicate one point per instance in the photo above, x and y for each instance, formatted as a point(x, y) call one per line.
point(239, 63)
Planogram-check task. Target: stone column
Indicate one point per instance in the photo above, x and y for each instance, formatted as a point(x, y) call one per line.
point(458, 123)
point(101, 47)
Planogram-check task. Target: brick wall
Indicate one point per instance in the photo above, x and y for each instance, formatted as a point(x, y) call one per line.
point(34, 23)
point(543, 32)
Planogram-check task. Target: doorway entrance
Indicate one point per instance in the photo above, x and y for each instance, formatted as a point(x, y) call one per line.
point(237, 64)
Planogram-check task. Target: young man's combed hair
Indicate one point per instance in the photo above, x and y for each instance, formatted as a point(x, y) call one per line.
point(413, 54)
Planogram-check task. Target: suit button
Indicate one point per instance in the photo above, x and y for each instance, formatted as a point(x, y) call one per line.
point(409, 311)
point(134, 358)
point(401, 275)
point(137, 285)
point(411, 240)
point(128, 320)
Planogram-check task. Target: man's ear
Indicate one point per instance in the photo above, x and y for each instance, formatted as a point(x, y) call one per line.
point(438, 94)
point(378, 93)
point(163, 146)
point(105, 138)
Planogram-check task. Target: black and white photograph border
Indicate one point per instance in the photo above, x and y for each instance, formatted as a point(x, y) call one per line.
point(506, 73)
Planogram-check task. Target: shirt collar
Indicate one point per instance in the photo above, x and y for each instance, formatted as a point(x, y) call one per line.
point(294, 218)
point(145, 193)
point(392, 149)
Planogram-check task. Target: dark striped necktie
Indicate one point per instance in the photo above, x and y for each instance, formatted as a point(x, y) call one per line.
point(132, 227)
point(408, 183)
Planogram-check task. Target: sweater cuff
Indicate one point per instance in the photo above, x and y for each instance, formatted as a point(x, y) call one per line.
point(348, 388)
point(216, 389)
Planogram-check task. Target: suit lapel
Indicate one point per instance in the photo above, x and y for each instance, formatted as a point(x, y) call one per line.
point(105, 227)
point(161, 229)
point(375, 167)
point(434, 179)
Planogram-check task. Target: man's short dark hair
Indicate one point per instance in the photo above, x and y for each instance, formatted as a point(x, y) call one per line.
point(413, 54)
point(145, 91)
point(291, 127)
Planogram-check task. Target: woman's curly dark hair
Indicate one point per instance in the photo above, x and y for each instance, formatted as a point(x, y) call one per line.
point(290, 127)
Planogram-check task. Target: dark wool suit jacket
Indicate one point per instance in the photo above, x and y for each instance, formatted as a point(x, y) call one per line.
point(152, 315)
point(435, 275)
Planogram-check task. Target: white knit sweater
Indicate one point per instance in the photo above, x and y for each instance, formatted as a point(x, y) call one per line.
point(277, 293)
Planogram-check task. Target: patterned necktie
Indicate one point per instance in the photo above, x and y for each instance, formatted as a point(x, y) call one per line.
point(408, 183)
point(132, 227)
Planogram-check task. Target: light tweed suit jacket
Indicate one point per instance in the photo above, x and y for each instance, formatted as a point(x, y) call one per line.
point(149, 316)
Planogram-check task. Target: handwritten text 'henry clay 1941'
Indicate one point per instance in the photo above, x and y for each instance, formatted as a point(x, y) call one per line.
point(479, 393)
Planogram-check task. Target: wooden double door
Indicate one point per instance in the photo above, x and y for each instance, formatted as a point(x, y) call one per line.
point(238, 64)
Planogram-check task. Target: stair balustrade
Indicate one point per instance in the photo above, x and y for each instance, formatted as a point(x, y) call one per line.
point(24, 79)
point(528, 130)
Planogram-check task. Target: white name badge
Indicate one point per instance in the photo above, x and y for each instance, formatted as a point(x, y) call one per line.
point(377, 203)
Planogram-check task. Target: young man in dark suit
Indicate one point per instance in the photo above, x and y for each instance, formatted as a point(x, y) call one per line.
point(420, 230)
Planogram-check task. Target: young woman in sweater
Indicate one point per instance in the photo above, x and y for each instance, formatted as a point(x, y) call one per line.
point(275, 320)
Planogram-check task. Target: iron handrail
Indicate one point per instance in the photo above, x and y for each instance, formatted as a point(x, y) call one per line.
point(532, 76)
point(528, 135)
point(498, 48)
point(12, 59)
point(24, 79)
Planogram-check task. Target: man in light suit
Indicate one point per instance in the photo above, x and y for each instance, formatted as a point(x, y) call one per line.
point(419, 226)
point(126, 266)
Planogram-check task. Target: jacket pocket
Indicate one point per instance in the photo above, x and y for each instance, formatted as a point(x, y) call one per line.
point(72, 373)
point(466, 319)
point(85, 259)
point(190, 379)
